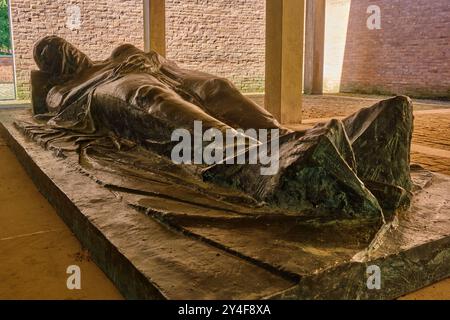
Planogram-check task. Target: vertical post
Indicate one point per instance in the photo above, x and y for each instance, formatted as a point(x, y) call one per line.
point(146, 4)
point(309, 47)
point(272, 95)
point(155, 26)
point(285, 22)
point(319, 8)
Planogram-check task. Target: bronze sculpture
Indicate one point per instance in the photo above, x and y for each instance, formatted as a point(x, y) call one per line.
point(350, 169)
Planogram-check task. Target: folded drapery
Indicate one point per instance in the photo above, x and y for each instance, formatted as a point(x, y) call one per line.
point(339, 170)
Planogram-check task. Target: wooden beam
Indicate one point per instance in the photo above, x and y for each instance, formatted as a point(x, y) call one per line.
point(285, 21)
point(155, 26)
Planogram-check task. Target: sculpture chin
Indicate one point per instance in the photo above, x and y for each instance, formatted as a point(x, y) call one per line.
point(356, 168)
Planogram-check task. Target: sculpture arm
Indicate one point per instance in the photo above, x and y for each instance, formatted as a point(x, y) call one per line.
point(222, 100)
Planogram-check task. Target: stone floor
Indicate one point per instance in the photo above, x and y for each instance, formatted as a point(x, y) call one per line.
point(37, 247)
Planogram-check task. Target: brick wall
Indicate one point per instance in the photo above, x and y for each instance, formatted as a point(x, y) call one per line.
point(6, 69)
point(104, 25)
point(409, 55)
point(224, 37)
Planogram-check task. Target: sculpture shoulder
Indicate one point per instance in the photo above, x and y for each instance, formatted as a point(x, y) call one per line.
point(124, 50)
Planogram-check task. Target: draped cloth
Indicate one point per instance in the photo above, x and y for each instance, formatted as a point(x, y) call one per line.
point(117, 116)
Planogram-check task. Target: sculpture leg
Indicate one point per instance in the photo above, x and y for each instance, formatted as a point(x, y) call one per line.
point(222, 100)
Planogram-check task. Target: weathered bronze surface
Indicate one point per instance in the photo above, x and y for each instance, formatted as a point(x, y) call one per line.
point(118, 116)
point(344, 197)
point(190, 248)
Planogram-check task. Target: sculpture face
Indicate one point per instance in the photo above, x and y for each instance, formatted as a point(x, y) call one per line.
point(325, 172)
point(58, 57)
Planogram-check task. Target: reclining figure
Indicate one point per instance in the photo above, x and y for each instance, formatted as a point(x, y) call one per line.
point(341, 169)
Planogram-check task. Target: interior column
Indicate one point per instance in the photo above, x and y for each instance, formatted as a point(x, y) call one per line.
point(155, 26)
point(285, 22)
point(314, 46)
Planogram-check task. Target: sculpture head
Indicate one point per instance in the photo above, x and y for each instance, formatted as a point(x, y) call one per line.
point(58, 57)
